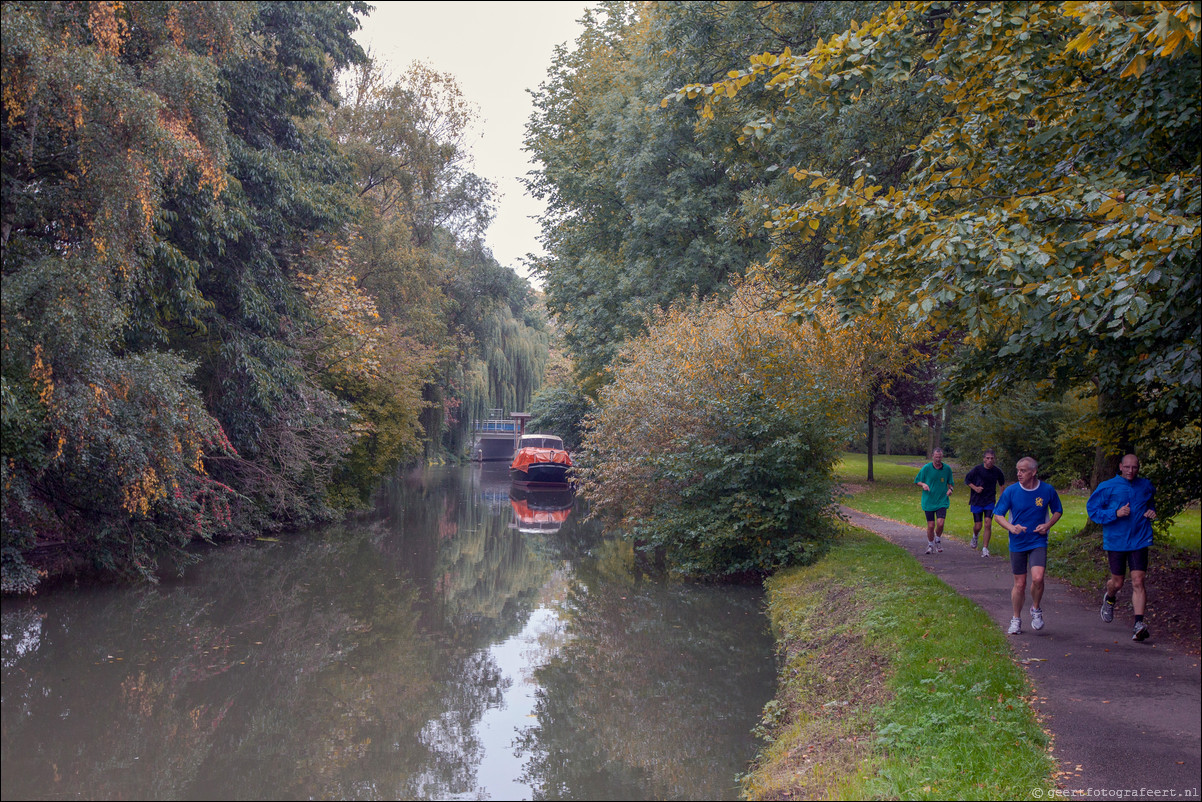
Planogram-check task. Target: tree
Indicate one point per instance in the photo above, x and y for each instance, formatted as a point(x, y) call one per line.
point(104, 447)
point(896, 369)
point(640, 213)
point(419, 254)
point(289, 190)
point(716, 440)
point(159, 182)
point(1050, 213)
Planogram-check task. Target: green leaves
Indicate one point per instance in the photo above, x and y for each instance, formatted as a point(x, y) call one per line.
point(716, 438)
point(158, 184)
point(1051, 186)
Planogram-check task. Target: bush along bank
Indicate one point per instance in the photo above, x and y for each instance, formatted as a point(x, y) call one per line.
point(892, 686)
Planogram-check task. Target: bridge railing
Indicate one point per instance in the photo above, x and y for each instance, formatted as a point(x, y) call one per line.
point(494, 426)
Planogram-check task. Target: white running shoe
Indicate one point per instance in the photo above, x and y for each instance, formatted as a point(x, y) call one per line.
point(984, 551)
point(1036, 618)
point(930, 549)
point(939, 545)
point(975, 538)
point(1016, 627)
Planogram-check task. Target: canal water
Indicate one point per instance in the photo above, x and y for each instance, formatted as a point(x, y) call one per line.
point(465, 641)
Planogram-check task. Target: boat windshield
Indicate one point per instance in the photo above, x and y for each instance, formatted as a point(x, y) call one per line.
point(541, 441)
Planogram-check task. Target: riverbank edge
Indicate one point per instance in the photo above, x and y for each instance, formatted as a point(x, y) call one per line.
point(891, 686)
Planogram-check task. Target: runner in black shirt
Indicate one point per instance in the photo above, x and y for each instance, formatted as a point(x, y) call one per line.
point(983, 482)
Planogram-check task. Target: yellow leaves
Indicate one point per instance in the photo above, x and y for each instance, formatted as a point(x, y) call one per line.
point(15, 93)
point(43, 377)
point(1083, 41)
point(1135, 67)
point(101, 398)
point(346, 343)
point(138, 496)
point(1176, 30)
point(174, 28)
point(188, 145)
point(109, 31)
point(1137, 33)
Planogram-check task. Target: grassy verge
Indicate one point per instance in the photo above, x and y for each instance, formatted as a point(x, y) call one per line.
point(893, 686)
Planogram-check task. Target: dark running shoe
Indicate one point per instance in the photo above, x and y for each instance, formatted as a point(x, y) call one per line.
point(1141, 632)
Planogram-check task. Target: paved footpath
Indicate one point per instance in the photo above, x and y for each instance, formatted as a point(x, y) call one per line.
point(1126, 717)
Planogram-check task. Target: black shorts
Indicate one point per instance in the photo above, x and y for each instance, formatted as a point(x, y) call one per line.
point(933, 514)
point(1119, 560)
point(1019, 560)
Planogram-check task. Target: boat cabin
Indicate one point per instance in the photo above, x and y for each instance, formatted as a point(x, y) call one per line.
point(540, 441)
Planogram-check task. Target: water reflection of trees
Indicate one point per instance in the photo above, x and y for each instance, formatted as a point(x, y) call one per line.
point(482, 579)
point(317, 668)
point(621, 708)
point(354, 664)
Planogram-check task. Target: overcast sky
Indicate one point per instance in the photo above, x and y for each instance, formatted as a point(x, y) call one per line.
point(496, 51)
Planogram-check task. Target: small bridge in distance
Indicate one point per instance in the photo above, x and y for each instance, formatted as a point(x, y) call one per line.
point(495, 438)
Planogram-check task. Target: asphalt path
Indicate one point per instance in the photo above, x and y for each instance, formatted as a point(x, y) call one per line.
point(1125, 717)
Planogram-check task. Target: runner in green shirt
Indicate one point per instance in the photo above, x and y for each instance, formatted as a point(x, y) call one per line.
point(935, 479)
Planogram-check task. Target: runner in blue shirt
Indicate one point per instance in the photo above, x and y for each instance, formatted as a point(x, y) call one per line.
point(1029, 502)
point(1125, 506)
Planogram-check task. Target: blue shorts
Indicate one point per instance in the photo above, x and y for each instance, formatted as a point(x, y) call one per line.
point(978, 510)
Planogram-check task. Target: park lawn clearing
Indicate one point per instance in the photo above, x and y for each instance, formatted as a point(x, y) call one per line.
point(892, 686)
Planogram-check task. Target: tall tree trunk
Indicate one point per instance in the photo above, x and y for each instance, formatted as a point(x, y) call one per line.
point(1106, 460)
point(936, 431)
point(871, 438)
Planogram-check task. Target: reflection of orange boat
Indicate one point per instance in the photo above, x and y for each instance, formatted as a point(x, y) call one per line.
point(538, 520)
point(540, 510)
point(540, 459)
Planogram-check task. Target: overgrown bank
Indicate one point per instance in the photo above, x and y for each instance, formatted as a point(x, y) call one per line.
point(892, 686)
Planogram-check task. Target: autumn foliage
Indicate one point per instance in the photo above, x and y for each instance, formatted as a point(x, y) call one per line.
point(1044, 206)
point(716, 439)
point(230, 306)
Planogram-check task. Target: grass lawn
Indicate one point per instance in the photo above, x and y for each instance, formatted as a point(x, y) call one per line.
point(894, 495)
point(893, 686)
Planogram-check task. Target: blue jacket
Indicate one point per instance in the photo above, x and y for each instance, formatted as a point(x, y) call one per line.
point(1132, 531)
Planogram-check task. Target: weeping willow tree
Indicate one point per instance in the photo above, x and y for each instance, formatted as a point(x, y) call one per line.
point(504, 343)
point(504, 374)
point(515, 361)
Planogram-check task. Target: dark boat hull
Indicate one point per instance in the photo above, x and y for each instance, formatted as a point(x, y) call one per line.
point(549, 473)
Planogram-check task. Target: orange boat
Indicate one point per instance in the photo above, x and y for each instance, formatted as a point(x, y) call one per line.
point(540, 459)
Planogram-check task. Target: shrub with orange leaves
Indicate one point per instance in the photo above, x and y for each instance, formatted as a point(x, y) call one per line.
point(714, 445)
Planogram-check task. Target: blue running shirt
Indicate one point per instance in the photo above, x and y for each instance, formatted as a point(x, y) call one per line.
point(1028, 508)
